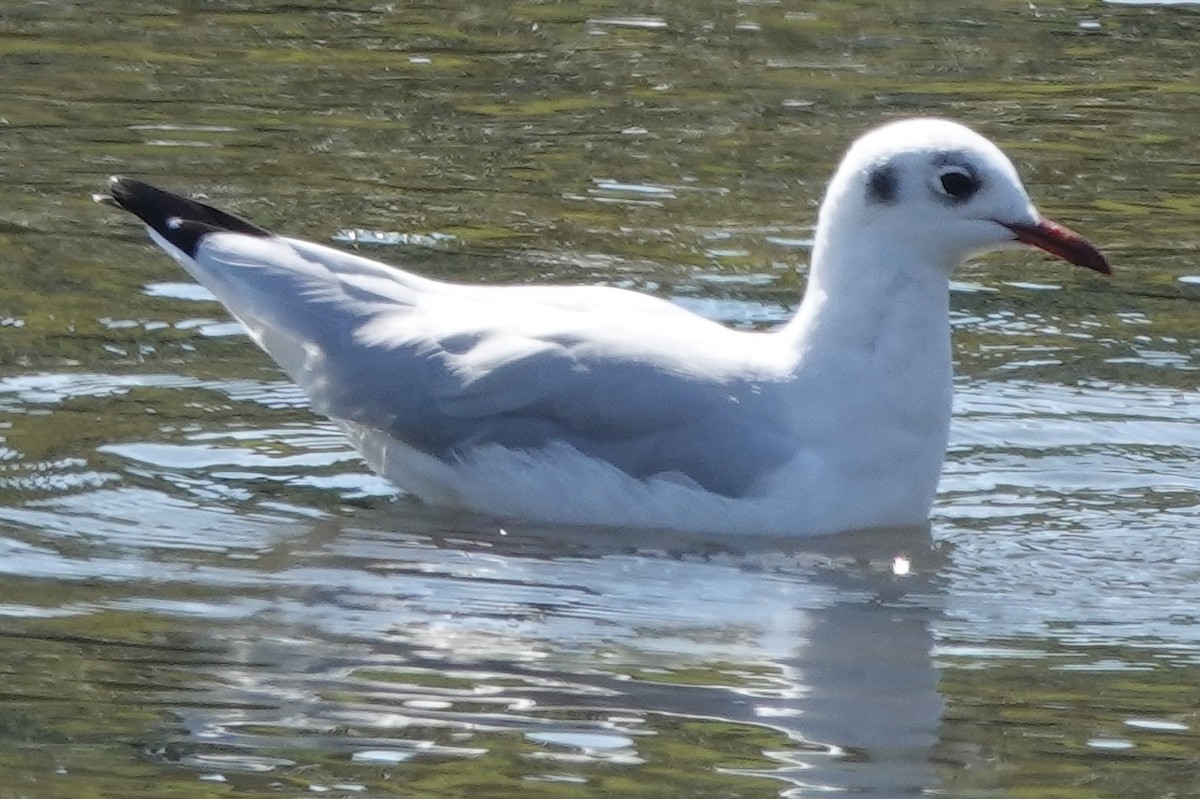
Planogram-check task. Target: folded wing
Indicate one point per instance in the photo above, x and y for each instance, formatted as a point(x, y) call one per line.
point(449, 368)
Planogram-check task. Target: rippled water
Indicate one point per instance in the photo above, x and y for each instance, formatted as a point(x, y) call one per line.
point(204, 593)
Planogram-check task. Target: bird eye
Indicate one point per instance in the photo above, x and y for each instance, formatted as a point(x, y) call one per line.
point(956, 182)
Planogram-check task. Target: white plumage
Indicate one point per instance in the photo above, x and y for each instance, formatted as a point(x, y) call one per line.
point(598, 406)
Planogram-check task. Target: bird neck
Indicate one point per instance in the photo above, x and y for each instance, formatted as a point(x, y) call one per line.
point(872, 338)
point(864, 295)
point(872, 379)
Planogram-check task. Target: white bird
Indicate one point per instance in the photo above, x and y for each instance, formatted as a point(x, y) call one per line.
point(599, 406)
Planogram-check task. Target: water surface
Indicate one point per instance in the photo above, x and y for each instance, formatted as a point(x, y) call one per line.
point(204, 593)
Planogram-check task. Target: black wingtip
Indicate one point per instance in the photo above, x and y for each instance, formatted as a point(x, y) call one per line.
point(182, 222)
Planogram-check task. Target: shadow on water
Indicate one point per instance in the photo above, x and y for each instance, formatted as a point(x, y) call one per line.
point(450, 655)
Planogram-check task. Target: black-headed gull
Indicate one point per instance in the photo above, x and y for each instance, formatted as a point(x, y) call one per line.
point(599, 406)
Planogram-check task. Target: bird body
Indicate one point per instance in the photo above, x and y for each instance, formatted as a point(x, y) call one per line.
point(599, 406)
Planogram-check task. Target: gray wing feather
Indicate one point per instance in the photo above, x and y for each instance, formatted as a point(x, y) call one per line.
point(446, 369)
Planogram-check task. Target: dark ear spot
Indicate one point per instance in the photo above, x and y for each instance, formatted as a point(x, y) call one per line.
point(882, 185)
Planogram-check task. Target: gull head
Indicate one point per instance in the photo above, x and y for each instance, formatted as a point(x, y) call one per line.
point(929, 193)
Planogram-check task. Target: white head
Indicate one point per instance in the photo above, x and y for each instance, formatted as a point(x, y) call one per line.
point(930, 193)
